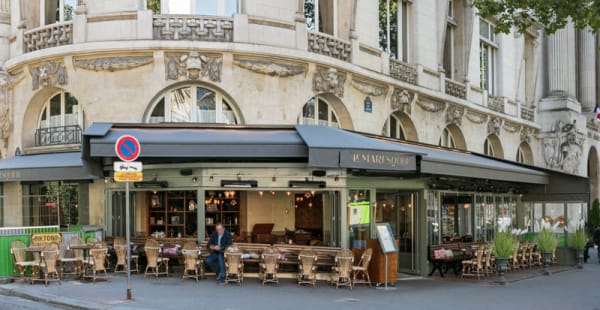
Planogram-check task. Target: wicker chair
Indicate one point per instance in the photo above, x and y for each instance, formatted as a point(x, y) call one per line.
point(523, 257)
point(65, 257)
point(269, 267)
point(307, 265)
point(97, 264)
point(120, 246)
point(535, 256)
point(489, 261)
point(78, 254)
point(19, 256)
point(234, 267)
point(49, 264)
point(342, 271)
point(193, 264)
point(514, 260)
point(360, 272)
point(474, 267)
point(155, 259)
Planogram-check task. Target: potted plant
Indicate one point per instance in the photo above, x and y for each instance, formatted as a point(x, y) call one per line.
point(504, 245)
point(578, 241)
point(547, 242)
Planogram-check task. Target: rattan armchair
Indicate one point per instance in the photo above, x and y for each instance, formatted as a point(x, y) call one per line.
point(474, 267)
point(49, 264)
point(155, 260)
point(489, 262)
point(269, 267)
point(523, 257)
point(307, 265)
point(19, 257)
point(78, 254)
point(234, 266)
point(360, 272)
point(96, 266)
point(513, 263)
point(342, 271)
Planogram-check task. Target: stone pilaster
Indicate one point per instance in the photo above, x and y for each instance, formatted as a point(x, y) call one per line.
point(562, 63)
point(587, 70)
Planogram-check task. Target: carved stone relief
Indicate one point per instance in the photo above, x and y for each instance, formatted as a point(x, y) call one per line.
point(430, 105)
point(401, 101)
point(5, 112)
point(48, 74)
point(193, 66)
point(368, 88)
point(511, 127)
point(271, 67)
point(493, 126)
point(329, 80)
point(454, 115)
point(477, 118)
point(112, 63)
point(563, 147)
point(526, 134)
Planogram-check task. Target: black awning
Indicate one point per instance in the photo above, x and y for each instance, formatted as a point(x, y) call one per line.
point(48, 167)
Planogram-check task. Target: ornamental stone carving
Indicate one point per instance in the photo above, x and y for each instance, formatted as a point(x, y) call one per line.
point(112, 63)
point(430, 105)
point(562, 147)
point(526, 134)
point(271, 68)
point(193, 66)
point(48, 74)
point(477, 118)
point(368, 88)
point(493, 126)
point(401, 101)
point(5, 113)
point(454, 115)
point(329, 80)
point(511, 127)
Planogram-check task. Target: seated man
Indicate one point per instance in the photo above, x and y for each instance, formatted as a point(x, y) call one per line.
point(219, 241)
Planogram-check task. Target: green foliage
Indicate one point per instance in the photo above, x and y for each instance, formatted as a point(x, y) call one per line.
point(550, 14)
point(579, 239)
point(504, 244)
point(154, 5)
point(546, 241)
point(593, 220)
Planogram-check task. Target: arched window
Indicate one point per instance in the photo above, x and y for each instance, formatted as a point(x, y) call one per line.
point(447, 139)
point(317, 111)
point(393, 128)
point(61, 110)
point(488, 148)
point(60, 121)
point(524, 154)
point(193, 104)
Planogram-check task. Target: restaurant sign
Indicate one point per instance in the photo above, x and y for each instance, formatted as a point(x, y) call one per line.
point(378, 160)
point(45, 238)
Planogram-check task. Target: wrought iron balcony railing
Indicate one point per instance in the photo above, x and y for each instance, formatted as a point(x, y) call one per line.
point(58, 135)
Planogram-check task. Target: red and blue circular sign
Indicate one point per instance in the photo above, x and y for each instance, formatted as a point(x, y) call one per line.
point(127, 148)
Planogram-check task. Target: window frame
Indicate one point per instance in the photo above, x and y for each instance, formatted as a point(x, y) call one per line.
point(316, 20)
point(330, 112)
point(193, 8)
point(46, 110)
point(448, 138)
point(220, 101)
point(61, 12)
point(488, 148)
point(400, 131)
point(489, 46)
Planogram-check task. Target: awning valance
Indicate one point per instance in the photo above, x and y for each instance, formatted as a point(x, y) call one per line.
point(48, 167)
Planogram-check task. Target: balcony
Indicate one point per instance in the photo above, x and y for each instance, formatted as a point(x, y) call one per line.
point(58, 135)
point(456, 89)
point(193, 28)
point(527, 113)
point(496, 103)
point(403, 72)
point(48, 36)
point(328, 45)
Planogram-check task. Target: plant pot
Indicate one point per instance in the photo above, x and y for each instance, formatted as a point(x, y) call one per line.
point(547, 261)
point(501, 267)
point(579, 258)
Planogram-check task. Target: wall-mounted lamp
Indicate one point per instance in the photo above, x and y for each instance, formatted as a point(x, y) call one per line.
point(274, 179)
point(211, 178)
point(195, 180)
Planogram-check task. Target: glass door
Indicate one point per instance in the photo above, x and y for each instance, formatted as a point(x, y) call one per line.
point(398, 209)
point(117, 213)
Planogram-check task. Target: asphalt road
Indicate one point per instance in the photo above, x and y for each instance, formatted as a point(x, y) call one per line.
point(15, 303)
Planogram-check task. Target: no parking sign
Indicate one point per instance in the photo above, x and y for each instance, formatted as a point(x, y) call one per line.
point(128, 149)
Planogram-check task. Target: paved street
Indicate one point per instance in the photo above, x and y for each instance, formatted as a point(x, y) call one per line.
point(16, 303)
point(568, 288)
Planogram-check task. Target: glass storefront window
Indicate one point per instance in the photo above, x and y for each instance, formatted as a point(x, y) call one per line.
point(457, 218)
point(538, 216)
point(359, 217)
point(575, 217)
point(433, 217)
point(554, 218)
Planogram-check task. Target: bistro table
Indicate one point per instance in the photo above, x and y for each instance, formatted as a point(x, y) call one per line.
point(36, 270)
point(86, 248)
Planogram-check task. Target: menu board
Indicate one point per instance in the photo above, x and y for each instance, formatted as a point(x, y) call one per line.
point(386, 237)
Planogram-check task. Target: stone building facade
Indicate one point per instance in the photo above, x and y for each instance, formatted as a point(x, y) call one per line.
point(449, 80)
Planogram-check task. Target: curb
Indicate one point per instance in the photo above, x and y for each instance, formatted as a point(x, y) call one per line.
point(71, 304)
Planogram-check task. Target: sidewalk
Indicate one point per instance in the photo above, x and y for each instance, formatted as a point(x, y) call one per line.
point(567, 288)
